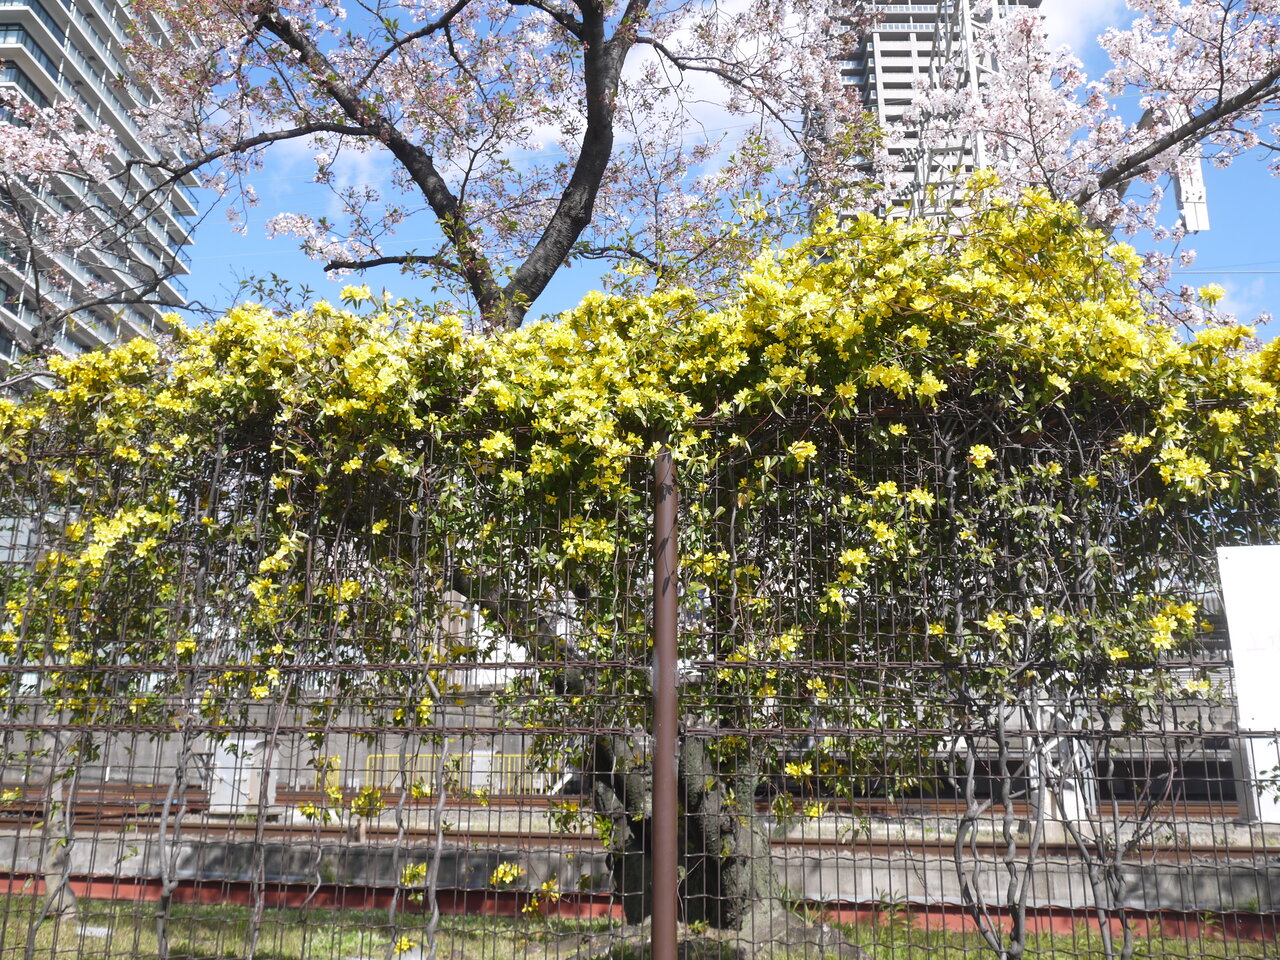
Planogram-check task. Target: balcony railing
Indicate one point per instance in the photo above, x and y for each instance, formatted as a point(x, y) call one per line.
point(41, 14)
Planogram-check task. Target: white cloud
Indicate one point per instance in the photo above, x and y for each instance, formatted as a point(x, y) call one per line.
point(287, 178)
point(1077, 23)
point(1244, 300)
point(360, 168)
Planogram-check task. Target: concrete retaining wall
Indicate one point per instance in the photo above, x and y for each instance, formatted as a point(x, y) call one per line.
point(1239, 883)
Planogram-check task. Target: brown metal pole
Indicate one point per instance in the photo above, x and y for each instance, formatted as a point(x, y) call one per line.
point(665, 710)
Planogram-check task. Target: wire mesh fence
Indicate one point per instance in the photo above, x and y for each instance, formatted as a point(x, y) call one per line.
point(937, 696)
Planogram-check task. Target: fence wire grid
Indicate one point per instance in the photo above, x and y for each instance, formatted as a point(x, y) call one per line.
point(927, 707)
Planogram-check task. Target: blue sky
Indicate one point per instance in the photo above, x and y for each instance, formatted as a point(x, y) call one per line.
point(1239, 251)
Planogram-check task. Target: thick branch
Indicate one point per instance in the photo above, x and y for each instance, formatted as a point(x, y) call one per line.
point(525, 623)
point(602, 67)
point(1192, 131)
point(560, 15)
point(472, 264)
point(24, 377)
point(248, 143)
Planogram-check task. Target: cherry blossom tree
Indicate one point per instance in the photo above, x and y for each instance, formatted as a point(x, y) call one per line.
point(1189, 79)
point(529, 133)
point(674, 138)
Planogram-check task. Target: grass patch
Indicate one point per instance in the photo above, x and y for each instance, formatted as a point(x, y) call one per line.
point(901, 942)
point(113, 930)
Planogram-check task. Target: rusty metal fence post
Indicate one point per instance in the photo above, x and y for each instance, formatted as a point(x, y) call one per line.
point(665, 711)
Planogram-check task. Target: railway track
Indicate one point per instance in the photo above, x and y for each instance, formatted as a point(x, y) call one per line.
point(849, 841)
point(111, 802)
point(852, 843)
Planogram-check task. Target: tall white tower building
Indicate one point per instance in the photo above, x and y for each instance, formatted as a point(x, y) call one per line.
point(54, 50)
point(914, 42)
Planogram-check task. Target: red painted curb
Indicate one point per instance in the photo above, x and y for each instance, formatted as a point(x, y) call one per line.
point(1062, 921)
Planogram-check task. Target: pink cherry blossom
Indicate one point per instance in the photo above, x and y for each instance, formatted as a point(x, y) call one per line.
point(674, 137)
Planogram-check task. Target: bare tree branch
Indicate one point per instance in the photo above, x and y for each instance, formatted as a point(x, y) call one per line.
point(240, 146)
point(719, 67)
point(617, 251)
point(440, 23)
point(474, 266)
point(404, 259)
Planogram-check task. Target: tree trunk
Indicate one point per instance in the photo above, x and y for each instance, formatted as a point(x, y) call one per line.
point(622, 794)
point(728, 868)
point(727, 877)
point(56, 837)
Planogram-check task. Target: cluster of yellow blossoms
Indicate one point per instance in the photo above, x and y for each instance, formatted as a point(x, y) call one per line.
point(815, 393)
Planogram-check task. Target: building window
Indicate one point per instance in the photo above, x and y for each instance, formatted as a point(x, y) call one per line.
point(13, 33)
point(12, 73)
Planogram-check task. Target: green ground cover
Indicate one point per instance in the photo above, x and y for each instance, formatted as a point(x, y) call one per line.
point(126, 931)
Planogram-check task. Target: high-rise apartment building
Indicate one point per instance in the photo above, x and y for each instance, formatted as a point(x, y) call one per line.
point(912, 42)
point(73, 50)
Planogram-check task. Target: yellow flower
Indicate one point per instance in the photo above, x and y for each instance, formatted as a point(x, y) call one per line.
point(413, 875)
point(921, 498)
point(787, 643)
point(505, 873)
point(930, 386)
point(802, 451)
point(882, 533)
point(888, 490)
point(1211, 293)
point(497, 444)
point(1190, 472)
point(994, 621)
point(980, 455)
point(1226, 421)
point(856, 558)
point(344, 592)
